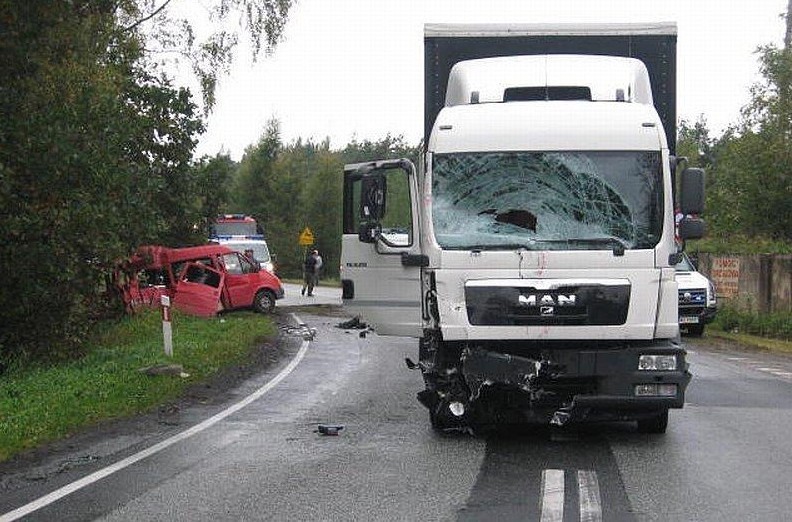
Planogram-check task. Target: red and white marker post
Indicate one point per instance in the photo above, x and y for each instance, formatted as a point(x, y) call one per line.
point(167, 331)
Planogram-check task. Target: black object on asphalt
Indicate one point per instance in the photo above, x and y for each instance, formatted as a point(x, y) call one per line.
point(330, 429)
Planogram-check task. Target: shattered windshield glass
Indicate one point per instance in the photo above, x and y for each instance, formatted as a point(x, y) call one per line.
point(547, 200)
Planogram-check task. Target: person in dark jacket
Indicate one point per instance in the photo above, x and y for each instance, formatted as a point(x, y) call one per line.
point(311, 268)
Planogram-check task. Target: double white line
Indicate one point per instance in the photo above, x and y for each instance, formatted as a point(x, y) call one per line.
point(553, 496)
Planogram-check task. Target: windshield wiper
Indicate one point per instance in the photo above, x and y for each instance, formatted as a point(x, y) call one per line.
point(619, 245)
point(496, 246)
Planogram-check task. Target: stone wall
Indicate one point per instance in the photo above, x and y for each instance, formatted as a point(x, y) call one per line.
point(760, 282)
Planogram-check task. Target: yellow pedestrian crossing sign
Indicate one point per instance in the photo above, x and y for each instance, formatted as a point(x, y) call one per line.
point(306, 237)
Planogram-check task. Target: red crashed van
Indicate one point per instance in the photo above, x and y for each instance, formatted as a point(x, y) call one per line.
point(201, 280)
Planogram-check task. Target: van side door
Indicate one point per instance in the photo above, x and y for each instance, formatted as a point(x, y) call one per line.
point(198, 290)
point(241, 279)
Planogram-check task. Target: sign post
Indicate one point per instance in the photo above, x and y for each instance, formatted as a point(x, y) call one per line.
point(167, 331)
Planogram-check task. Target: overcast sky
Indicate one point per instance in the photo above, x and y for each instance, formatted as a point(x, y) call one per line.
point(354, 68)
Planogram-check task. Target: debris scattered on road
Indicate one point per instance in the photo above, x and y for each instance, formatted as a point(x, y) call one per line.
point(353, 324)
point(330, 429)
point(301, 330)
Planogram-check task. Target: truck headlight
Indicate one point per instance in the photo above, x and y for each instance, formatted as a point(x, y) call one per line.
point(657, 362)
point(655, 390)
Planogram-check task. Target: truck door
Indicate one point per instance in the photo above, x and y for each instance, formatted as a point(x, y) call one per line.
point(381, 258)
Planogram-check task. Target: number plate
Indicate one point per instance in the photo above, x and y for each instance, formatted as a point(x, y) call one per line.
point(688, 320)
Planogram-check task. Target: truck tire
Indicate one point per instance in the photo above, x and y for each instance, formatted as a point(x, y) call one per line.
point(264, 302)
point(439, 422)
point(656, 424)
point(695, 330)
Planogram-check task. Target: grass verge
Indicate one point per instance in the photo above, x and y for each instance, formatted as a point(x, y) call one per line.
point(773, 325)
point(753, 341)
point(45, 403)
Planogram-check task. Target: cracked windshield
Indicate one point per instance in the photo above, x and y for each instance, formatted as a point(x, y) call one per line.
point(547, 200)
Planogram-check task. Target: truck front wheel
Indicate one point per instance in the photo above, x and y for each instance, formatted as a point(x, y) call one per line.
point(656, 424)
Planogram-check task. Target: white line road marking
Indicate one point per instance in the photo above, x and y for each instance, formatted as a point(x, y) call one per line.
point(736, 358)
point(770, 370)
point(552, 499)
point(552, 495)
point(782, 374)
point(589, 496)
point(109, 470)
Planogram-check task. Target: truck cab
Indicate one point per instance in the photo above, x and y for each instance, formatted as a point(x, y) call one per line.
point(533, 253)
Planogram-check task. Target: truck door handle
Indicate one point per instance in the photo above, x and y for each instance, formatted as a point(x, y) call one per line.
point(419, 260)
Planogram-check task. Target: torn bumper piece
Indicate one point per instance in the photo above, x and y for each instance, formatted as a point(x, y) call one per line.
point(485, 368)
point(571, 385)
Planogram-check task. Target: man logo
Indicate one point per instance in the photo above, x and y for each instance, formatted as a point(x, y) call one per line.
point(547, 300)
point(547, 310)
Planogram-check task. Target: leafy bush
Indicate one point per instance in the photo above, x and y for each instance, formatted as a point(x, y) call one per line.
point(722, 244)
point(776, 325)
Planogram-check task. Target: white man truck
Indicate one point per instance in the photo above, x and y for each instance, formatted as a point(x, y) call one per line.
point(532, 253)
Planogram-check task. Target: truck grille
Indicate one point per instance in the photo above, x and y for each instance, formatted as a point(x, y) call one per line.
point(589, 304)
point(692, 299)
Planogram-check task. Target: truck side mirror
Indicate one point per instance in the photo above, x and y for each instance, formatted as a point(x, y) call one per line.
point(692, 191)
point(369, 232)
point(372, 197)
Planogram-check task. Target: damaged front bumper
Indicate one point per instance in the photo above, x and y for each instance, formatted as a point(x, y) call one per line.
point(560, 385)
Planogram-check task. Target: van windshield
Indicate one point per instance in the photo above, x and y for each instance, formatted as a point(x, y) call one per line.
point(547, 200)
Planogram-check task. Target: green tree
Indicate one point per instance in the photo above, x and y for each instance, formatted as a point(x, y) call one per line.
point(322, 204)
point(389, 147)
point(750, 165)
point(171, 37)
point(213, 176)
point(95, 157)
point(695, 144)
point(290, 187)
point(752, 192)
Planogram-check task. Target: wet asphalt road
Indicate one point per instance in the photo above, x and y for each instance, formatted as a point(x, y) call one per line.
point(726, 455)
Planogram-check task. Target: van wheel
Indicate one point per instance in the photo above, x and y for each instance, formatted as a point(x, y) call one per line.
point(264, 302)
point(656, 424)
point(695, 330)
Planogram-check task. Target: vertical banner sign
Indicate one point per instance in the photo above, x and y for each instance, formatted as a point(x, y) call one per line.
point(725, 275)
point(167, 331)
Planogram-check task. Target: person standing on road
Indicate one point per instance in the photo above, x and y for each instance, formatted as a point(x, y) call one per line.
point(313, 264)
